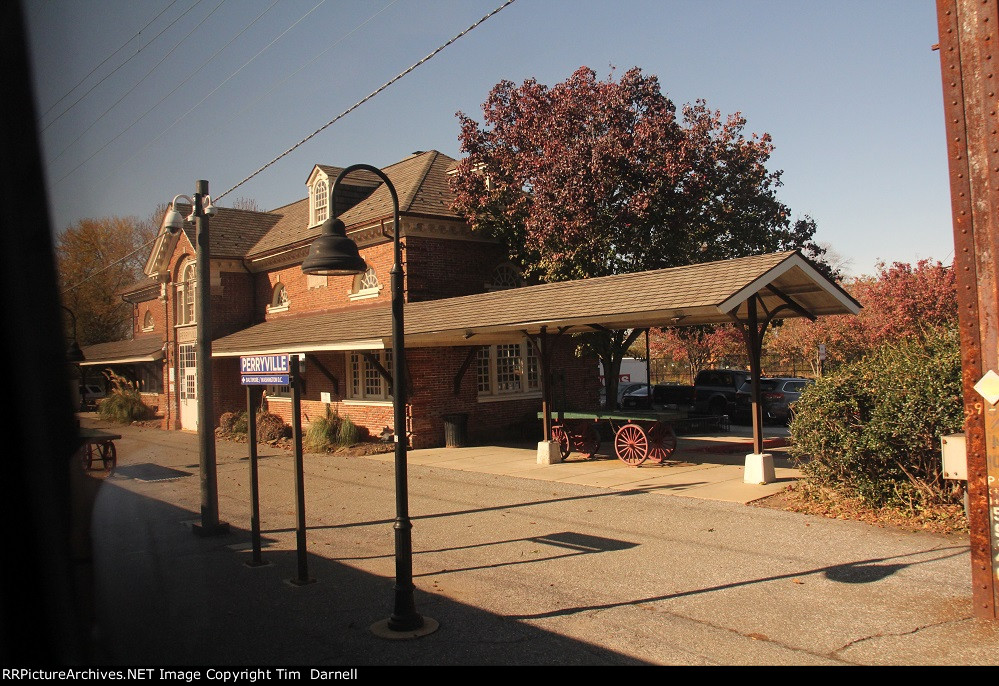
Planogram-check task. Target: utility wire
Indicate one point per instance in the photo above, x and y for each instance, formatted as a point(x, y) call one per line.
point(181, 117)
point(77, 101)
point(366, 98)
point(312, 135)
point(280, 83)
point(108, 266)
point(168, 95)
point(132, 89)
point(137, 34)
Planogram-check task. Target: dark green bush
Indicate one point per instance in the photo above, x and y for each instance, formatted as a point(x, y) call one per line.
point(872, 429)
point(124, 403)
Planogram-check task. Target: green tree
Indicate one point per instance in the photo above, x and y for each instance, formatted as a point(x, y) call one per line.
point(96, 259)
point(591, 178)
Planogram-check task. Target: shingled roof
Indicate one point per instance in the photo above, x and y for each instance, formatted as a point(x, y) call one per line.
point(420, 182)
point(696, 294)
point(233, 232)
point(144, 349)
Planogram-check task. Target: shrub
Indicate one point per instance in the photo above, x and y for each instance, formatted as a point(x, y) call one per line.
point(872, 429)
point(123, 404)
point(332, 431)
point(233, 423)
point(322, 433)
point(347, 433)
point(269, 426)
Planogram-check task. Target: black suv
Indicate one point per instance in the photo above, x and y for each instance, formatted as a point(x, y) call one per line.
point(716, 391)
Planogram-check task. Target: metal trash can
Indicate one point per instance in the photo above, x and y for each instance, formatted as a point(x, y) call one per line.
point(456, 430)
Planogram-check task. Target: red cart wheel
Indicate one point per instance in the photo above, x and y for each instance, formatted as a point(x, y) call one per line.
point(109, 456)
point(560, 436)
point(588, 441)
point(662, 442)
point(631, 445)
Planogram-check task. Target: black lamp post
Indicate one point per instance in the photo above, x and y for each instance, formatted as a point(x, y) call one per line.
point(335, 254)
point(202, 209)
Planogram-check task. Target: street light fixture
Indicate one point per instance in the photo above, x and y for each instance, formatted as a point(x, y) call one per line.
point(173, 222)
point(335, 254)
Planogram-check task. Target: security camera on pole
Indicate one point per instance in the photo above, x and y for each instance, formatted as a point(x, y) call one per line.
point(202, 209)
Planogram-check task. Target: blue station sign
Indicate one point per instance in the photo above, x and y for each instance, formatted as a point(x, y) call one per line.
point(264, 370)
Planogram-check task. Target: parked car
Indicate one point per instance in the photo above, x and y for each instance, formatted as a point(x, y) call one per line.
point(664, 397)
point(623, 389)
point(716, 391)
point(777, 395)
point(784, 393)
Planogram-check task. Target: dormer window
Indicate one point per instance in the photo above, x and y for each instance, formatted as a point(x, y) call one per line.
point(320, 200)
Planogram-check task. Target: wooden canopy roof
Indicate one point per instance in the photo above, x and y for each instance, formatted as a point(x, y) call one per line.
point(783, 285)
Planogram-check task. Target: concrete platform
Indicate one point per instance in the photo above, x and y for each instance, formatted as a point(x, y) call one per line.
point(711, 467)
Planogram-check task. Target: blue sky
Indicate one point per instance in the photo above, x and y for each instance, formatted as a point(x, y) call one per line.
point(850, 92)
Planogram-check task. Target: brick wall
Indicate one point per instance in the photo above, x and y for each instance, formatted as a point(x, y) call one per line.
point(431, 396)
point(305, 298)
point(441, 268)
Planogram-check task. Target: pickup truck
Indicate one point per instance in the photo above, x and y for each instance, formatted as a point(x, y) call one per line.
point(664, 397)
point(716, 391)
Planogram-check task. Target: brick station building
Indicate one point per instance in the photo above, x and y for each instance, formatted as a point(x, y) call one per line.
point(340, 326)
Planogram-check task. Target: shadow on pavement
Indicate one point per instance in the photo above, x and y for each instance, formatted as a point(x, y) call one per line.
point(167, 597)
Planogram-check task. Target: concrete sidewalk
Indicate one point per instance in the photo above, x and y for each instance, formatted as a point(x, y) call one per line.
point(518, 571)
point(708, 467)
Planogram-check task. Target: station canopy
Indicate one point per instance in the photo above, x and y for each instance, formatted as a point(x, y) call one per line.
point(130, 351)
point(783, 285)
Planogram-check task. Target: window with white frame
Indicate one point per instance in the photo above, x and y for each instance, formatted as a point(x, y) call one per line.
point(284, 392)
point(366, 285)
point(508, 369)
point(147, 321)
point(320, 200)
point(504, 277)
point(365, 380)
point(279, 298)
point(186, 293)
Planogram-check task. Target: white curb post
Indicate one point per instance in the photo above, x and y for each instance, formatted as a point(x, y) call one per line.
point(759, 469)
point(549, 452)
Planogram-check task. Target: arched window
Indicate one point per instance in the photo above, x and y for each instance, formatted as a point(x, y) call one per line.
point(186, 293)
point(320, 201)
point(279, 298)
point(147, 321)
point(505, 276)
point(365, 285)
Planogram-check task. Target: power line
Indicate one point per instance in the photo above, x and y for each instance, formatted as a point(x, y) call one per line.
point(132, 89)
point(366, 98)
point(108, 266)
point(77, 101)
point(279, 83)
point(167, 96)
point(181, 117)
point(137, 34)
point(316, 132)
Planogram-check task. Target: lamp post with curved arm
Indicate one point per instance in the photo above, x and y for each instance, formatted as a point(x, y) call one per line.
point(335, 254)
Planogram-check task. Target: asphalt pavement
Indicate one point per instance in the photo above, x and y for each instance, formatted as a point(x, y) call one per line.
point(519, 566)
